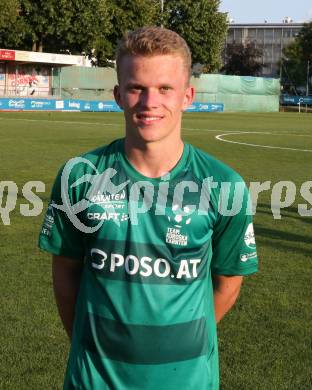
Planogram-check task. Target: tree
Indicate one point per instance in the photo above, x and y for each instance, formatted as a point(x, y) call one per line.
point(243, 60)
point(305, 41)
point(43, 19)
point(293, 68)
point(89, 33)
point(130, 15)
point(94, 27)
point(12, 28)
point(296, 58)
point(202, 26)
point(67, 25)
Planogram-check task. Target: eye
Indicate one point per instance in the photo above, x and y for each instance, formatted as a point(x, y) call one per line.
point(165, 88)
point(135, 88)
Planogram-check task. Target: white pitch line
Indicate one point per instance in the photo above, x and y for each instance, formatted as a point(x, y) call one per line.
point(89, 123)
point(294, 135)
point(244, 132)
point(218, 137)
point(54, 121)
point(205, 130)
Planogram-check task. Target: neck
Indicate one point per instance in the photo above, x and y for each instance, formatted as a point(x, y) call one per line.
point(154, 159)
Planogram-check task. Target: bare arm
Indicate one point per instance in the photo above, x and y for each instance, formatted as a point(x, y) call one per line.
point(66, 273)
point(225, 292)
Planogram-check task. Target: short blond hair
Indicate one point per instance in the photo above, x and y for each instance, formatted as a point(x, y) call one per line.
point(150, 41)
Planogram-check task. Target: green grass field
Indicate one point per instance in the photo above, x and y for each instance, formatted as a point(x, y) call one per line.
point(265, 342)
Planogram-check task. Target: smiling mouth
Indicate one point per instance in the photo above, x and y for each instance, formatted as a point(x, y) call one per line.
point(149, 118)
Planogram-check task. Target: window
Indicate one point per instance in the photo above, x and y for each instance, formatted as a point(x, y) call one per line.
point(287, 33)
point(277, 52)
point(268, 34)
point(251, 33)
point(260, 35)
point(295, 31)
point(230, 36)
point(277, 33)
point(238, 33)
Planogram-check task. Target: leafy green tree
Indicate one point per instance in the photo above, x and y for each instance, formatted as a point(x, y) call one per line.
point(90, 26)
point(130, 15)
point(203, 27)
point(296, 58)
point(67, 25)
point(12, 28)
point(94, 27)
point(243, 60)
point(77, 26)
point(43, 19)
point(305, 41)
point(293, 68)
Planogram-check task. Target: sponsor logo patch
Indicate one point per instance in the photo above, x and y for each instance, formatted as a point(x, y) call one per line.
point(144, 266)
point(48, 221)
point(249, 237)
point(248, 256)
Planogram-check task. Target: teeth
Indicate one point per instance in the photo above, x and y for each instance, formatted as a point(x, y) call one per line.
point(150, 118)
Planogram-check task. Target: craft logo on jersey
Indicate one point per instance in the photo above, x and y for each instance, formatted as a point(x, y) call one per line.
point(114, 206)
point(179, 220)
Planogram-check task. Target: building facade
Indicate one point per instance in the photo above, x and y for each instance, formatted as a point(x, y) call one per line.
point(28, 73)
point(270, 37)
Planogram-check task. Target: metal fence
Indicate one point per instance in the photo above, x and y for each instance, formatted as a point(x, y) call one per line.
point(26, 91)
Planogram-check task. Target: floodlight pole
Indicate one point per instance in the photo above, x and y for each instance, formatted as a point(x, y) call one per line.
point(162, 11)
point(307, 87)
point(308, 71)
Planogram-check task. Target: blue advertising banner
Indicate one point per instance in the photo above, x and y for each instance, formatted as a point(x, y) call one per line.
point(28, 104)
point(205, 107)
point(293, 100)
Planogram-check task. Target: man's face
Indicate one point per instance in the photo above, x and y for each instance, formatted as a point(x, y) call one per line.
point(153, 92)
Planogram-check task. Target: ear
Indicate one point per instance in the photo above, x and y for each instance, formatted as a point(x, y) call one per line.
point(117, 96)
point(188, 97)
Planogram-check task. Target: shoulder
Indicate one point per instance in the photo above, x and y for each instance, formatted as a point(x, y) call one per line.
point(206, 165)
point(80, 171)
point(103, 152)
point(94, 160)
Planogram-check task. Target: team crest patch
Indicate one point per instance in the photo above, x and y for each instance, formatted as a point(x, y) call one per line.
point(178, 220)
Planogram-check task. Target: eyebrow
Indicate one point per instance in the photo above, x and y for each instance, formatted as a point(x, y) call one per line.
point(134, 85)
point(130, 85)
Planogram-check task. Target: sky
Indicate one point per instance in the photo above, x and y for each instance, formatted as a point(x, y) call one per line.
point(273, 11)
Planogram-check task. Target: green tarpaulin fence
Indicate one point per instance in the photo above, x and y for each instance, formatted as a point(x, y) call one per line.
point(237, 93)
point(77, 82)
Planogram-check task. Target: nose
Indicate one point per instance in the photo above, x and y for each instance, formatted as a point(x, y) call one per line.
point(149, 98)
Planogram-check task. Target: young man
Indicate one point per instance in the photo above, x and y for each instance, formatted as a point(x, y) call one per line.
point(146, 259)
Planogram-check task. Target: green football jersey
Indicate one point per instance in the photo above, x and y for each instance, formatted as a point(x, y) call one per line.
point(145, 313)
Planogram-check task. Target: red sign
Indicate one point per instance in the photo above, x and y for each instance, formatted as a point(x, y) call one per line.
point(8, 55)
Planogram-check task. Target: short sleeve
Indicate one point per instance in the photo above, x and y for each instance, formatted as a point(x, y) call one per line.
point(58, 234)
point(233, 239)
